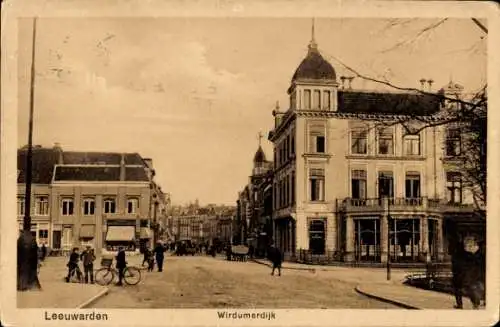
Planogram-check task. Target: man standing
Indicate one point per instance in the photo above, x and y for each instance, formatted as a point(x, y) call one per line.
point(88, 258)
point(44, 251)
point(121, 263)
point(159, 253)
point(275, 256)
point(73, 264)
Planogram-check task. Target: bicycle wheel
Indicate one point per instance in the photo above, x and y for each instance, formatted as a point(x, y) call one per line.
point(132, 275)
point(104, 276)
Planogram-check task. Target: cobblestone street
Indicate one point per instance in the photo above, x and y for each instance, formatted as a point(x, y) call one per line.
point(206, 282)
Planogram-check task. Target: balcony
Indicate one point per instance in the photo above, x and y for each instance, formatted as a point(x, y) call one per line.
point(419, 204)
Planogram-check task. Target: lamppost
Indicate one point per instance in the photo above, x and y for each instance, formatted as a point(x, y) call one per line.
point(27, 249)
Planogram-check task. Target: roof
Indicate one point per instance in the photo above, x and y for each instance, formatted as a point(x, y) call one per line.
point(107, 166)
point(259, 156)
point(100, 173)
point(314, 66)
point(387, 103)
point(43, 161)
point(108, 158)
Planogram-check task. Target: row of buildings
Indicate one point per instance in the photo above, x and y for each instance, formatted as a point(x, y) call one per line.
point(201, 224)
point(350, 180)
point(101, 199)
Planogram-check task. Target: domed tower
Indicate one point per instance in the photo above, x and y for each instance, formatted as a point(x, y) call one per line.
point(259, 161)
point(314, 84)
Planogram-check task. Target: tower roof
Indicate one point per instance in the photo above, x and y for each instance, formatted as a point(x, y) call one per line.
point(314, 66)
point(259, 156)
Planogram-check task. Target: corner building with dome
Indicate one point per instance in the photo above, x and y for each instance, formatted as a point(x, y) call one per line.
point(350, 185)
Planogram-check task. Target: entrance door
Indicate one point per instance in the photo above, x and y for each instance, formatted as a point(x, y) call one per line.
point(317, 237)
point(367, 239)
point(56, 239)
point(67, 238)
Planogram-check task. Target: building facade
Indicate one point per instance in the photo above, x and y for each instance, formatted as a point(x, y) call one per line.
point(351, 181)
point(90, 198)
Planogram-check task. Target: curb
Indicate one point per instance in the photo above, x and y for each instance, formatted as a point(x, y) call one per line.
point(282, 267)
point(93, 299)
point(386, 300)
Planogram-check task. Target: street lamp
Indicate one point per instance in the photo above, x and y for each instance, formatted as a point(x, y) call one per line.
point(27, 249)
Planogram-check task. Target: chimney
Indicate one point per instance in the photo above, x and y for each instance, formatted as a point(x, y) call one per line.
point(122, 168)
point(350, 81)
point(58, 149)
point(343, 78)
point(422, 83)
point(430, 81)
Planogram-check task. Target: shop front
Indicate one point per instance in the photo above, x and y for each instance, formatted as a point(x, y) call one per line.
point(120, 234)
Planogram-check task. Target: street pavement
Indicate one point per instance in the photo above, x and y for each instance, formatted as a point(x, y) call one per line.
point(55, 292)
point(206, 282)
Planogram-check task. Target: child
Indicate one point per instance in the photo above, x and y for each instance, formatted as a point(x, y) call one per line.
point(151, 262)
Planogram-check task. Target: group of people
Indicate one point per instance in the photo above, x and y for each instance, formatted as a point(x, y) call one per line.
point(155, 255)
point(87, 257)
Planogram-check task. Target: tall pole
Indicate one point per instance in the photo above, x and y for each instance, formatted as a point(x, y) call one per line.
point(29, 156)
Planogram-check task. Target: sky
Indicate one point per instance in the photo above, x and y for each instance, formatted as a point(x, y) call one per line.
point(194, 93)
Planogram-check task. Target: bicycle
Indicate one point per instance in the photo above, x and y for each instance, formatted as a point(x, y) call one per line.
point(105, 275)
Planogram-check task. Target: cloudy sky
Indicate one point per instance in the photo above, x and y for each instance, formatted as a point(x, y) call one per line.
point(193, 93)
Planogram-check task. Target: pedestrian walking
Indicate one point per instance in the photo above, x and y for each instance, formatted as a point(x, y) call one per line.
point(121, 263)
point(44, 252)
point(147, 254)
point(88, 258)
point(275, 256)
point(159, 254)
point(73, 264)
point(151, 262)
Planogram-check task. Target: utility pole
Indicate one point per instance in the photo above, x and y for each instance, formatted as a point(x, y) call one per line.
point(27, 249)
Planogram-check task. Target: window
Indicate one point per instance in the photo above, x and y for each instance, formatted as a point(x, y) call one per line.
point(359, 140)
point(67, 207)
point(385, 184)
point(385, 141)
point(316, 99)
point(43, 233)
point(292, 144)
point(307, 99)
point(326, 100)
point(317, 141)
point(20, 205)
point(109, 206)
point(358, 185)
point(320, 144)
point(412, 187)
point(411, 145)
point(88, 207)
point(132, 205)
point(293, 187)
point(453, 142)
point(317, 184)
point(42, 205)
point(454, 187)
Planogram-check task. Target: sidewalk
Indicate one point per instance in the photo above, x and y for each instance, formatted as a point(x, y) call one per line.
point(55, 292)
point(372, 282)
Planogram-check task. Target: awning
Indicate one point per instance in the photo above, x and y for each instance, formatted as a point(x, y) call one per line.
point(145, 232)
point(87, 231)
point(120, 233)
